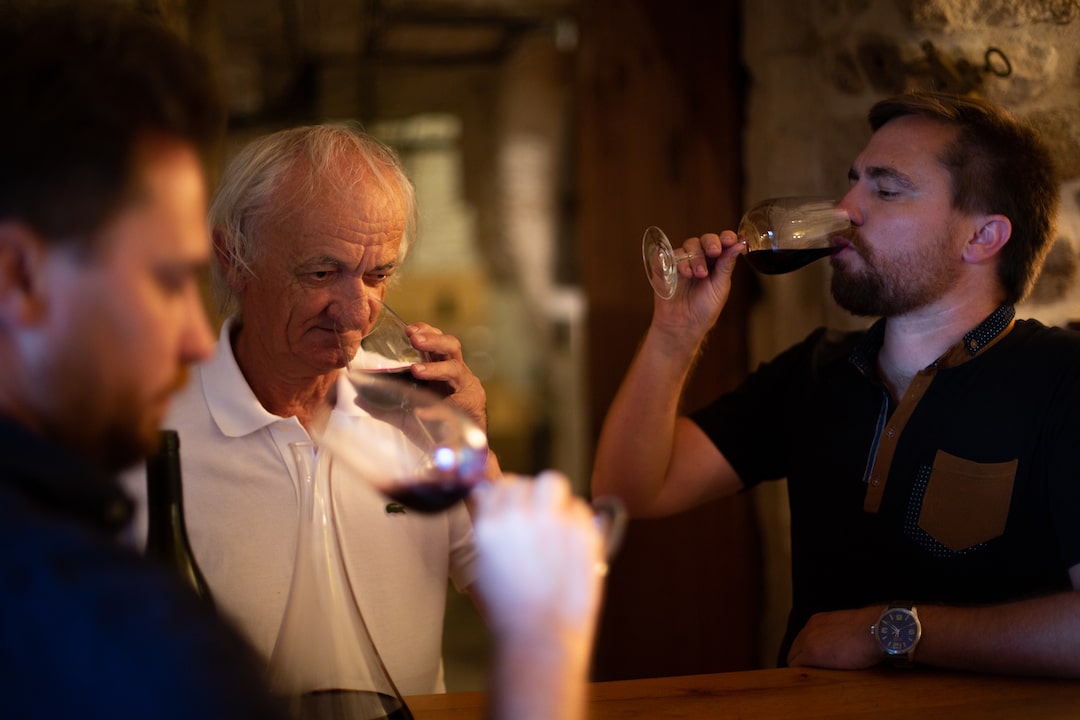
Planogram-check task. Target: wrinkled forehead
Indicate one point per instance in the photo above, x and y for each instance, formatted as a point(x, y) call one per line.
point(348, 192)
point(334, 215)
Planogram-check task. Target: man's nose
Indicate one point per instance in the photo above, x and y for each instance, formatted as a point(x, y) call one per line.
point(849, 204)
point(352, 307)
point(197, 341)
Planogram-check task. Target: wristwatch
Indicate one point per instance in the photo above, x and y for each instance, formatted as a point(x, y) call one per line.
point(898, 631)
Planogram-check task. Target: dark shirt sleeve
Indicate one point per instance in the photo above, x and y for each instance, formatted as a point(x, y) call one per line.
point(751, 425)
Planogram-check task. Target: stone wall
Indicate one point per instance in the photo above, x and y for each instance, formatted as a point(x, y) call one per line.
point(814, 69)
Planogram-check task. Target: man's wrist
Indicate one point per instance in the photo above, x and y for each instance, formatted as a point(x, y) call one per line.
point(898, 631)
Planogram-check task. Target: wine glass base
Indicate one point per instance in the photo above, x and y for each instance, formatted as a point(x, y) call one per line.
point(660, 263)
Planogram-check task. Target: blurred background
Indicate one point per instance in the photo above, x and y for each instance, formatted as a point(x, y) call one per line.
point(544, 136)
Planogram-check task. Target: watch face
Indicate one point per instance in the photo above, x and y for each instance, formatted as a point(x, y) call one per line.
point(897, 631)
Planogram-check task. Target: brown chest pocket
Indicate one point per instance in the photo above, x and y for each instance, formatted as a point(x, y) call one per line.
point(966, 503)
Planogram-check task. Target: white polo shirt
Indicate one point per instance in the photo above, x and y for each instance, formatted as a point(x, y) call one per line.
point(241, 502)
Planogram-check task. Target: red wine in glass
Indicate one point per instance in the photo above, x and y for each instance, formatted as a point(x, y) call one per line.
point(780, 235)
point(409, 442)
point(776, 262)
point(387, 350)
point(404, 375)
point(430, 496)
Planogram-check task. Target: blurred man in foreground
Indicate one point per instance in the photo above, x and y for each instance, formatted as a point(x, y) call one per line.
point(102, 234)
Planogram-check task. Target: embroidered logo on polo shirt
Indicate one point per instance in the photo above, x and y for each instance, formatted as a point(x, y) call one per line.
point(395, 509)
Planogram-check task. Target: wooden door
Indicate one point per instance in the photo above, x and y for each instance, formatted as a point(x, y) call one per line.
point(658, 101)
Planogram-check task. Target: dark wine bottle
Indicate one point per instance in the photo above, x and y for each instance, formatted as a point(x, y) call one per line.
point(166, 535)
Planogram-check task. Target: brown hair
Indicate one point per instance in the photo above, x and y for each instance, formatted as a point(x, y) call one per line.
point(83, 85)
point(998, 165)
point(254, 181)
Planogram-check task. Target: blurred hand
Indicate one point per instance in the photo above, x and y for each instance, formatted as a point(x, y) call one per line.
point(541, 566)
point(540, 555)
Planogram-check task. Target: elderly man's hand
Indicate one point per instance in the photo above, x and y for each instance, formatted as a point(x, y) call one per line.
point(448, 367)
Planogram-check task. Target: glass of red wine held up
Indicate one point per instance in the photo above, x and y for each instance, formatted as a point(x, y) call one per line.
point(420, 450)
point(402, 435)
point(781, 235)
point(405, 439)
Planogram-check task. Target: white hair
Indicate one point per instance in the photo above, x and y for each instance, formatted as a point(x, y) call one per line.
point(251, 187)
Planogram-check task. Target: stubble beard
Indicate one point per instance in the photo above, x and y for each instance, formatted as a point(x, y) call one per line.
point(892, 288)
point(111, 444)
point(131, 432)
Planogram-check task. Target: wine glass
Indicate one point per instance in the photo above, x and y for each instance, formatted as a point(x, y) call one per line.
point(418, 449)
point(781, 234)
point(405, 439)
point(387, 346)
point(387, 350)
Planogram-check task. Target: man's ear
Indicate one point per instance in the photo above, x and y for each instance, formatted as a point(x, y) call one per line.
point(235, 273)
point(22, 257)
point(991, 234)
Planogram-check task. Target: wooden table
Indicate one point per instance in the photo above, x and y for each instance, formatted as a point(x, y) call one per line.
point(804, 694)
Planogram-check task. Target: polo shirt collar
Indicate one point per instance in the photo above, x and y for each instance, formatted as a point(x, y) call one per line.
point(996, 326)
point(989, 331)
point(231, 401)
